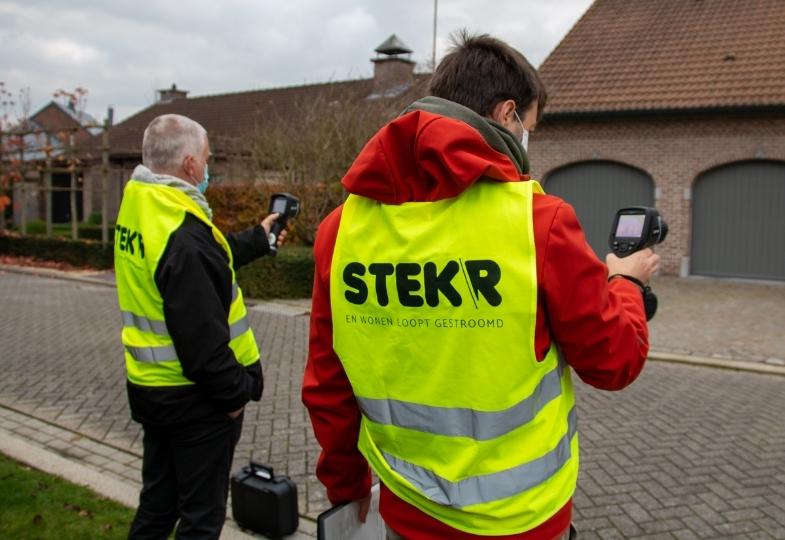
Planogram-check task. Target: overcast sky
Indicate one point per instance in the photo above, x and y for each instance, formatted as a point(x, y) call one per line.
point(121, 51)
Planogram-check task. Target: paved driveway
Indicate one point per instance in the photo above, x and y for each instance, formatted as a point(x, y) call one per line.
point(686, 452)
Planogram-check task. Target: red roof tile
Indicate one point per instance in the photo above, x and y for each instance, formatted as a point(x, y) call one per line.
point(669, 54)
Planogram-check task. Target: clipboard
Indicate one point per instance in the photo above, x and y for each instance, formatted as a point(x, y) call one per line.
point(341, 523)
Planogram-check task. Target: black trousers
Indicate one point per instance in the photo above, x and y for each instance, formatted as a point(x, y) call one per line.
point(185, 476)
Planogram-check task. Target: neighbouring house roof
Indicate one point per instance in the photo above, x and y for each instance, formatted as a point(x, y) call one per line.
point(658, 55)
point(51, 125)
point(233, 114)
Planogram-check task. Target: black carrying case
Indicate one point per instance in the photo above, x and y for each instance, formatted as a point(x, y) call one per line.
point(263, 502)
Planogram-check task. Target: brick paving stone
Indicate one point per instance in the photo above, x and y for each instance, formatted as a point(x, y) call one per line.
point(625, 525)
point(119, 468)
point(610, 534)
point(664, 514)
point(594, 524)
point(97, 460)
point(657, 536)
point(662, 526)
point(636, 512)
point(700, 527)
point(772, 527)
point(685, 534)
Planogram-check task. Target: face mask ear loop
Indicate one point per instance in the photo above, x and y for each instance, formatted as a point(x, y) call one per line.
point(525, 135)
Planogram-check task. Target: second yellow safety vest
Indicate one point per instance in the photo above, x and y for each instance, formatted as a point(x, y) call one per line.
point(434, 308)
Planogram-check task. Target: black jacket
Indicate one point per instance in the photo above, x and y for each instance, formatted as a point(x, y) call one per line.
point(195, 282)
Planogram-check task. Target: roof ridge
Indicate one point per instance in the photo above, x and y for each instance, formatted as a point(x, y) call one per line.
point(278, 88)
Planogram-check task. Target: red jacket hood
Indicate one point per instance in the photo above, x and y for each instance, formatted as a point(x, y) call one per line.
point(424, 156)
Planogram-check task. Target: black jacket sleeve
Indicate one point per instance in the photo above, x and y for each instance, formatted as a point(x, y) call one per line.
point(248, 245)
point(195, 282)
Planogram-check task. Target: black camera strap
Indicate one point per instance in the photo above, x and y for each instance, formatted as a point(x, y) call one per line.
point(649, 298)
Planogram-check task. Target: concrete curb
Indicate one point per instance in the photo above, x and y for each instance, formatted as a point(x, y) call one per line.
point(54, 274)
point(733, 365)
point(51, 463)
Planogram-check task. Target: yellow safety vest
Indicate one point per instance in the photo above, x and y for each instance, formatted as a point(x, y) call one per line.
point(148, 215)
point(434, 308)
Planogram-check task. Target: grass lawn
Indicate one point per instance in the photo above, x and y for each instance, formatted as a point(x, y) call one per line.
point(35, 505)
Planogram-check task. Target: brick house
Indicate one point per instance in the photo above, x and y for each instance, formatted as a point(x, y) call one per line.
point(678, 104)
point(59, 121)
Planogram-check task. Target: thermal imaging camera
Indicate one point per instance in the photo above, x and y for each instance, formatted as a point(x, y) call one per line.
point(636, 228)
point(287, 206)
point(633, 229)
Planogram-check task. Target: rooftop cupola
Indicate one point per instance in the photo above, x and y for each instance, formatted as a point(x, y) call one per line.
point(393, 68)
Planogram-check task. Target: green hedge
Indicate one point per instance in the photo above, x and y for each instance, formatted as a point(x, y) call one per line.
point(85, 231)
point(74, 252)
point(289, 275)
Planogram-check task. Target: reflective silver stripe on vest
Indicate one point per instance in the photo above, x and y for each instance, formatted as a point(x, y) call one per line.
point(239, 328)
point(489, 487)
point(163, 353)
point(462, 422)
point(234, 291)
point(144, 324)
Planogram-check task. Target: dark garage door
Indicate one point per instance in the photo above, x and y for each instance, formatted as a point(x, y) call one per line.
point(597, 189)
point(738, 221)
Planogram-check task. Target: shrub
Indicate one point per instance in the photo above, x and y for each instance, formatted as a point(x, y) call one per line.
point(239, 206)
point(86, 231)
point(288, 275)
point(74, 252)
point(91, 232)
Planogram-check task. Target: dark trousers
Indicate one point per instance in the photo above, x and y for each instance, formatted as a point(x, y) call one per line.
point(185, 476)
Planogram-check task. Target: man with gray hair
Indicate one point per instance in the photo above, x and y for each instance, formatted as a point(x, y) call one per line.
point(191, 357)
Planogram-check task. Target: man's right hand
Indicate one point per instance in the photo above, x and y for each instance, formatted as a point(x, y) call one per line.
point(234, 414)
point(640, 265)
point(267, 225)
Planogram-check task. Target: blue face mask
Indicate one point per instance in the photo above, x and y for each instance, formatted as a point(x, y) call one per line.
point(202, 186)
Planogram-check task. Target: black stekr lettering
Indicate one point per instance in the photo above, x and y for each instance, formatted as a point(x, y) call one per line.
point(129, 241)
point(404, 272)
point(124, 238)
point(484, 275)
point(441, 282)
point(351, 276)
point(381, 271)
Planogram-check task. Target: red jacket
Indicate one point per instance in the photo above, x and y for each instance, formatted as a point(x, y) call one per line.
point(600, 326)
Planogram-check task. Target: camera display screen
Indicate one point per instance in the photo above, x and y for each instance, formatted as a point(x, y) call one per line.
point(279, 205)
point(630, 226)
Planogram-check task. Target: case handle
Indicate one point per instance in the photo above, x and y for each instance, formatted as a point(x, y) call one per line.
point(263, 471)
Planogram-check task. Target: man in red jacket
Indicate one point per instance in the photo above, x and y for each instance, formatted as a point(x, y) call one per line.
point(374, 395)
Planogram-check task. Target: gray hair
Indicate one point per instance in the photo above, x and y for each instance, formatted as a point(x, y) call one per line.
point(168, 139)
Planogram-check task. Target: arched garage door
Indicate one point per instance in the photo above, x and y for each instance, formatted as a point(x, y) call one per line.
point(738, 221)
point(597, 189)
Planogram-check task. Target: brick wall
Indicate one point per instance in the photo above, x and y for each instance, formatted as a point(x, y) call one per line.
point(673, 151)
